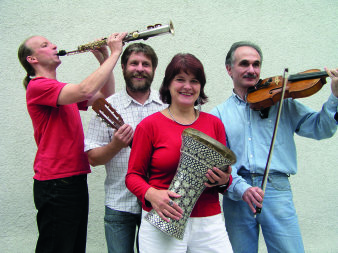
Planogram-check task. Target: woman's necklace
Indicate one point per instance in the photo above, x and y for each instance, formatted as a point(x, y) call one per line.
point(196, 117)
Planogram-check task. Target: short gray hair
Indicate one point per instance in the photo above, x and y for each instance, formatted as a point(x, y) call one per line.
point(229, 60)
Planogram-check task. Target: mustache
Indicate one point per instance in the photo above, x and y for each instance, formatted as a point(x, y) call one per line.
point(140, 75)
point(250, 76)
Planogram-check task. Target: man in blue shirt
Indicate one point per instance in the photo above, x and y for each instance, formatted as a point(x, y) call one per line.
point(249, 136)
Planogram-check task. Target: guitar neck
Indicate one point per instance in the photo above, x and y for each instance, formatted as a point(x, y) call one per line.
point(108, 114)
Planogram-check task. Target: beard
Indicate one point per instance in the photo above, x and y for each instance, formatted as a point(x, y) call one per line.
point(143, 86)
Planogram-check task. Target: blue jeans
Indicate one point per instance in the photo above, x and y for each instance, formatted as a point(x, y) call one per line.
point(62, 216)
point(120, 229)
point(278, 219)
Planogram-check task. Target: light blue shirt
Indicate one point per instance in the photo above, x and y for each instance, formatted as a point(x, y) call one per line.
point(249, 136)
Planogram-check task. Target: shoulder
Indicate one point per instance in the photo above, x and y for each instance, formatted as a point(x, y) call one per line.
point(119, 101)
point(43, 91)
point(154, 121)
point(210, 118)
point(153, 118)
point(222, 106)
point(227, 107)
point(42, 83)
point(150, 125)
point(115, 97)
point(155, 97)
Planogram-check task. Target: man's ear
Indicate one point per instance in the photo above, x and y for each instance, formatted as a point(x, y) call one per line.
point(31, 59)
point(228, 67)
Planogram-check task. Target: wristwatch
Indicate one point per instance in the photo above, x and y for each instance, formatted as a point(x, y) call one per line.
point(222, 188)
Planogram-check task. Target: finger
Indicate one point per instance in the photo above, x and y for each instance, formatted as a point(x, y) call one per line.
point(163, 216)
point(256, 202)
point(217, 170)
point(124, 129)
point(124, 34)
point(130, 139)
point(331, 72)
point(211, 185)
point(172, 210)
point(253, 209)
point(212, 176)
point(248, 200)
point(255, 195)
point(174, 206)
point(173, 194)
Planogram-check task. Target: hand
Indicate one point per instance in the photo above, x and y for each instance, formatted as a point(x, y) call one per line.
point(101, 54)
point(333, 74)
point(115, 42)
point(217, 177)
point(123, 135)
point(254, 197)
point(160, 200)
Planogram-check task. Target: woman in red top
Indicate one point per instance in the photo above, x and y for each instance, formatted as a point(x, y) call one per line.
point(154, 159)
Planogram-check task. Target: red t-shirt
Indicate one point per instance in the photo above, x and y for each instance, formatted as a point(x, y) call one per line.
point(156, 153)
point(58, 131)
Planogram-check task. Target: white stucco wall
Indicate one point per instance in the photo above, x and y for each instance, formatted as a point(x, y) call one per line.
point(299, 35)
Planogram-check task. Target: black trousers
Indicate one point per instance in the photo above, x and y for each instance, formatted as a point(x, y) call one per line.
point(62, 216)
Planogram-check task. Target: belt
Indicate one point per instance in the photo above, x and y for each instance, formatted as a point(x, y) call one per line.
point(246, 173)
point(71, 180)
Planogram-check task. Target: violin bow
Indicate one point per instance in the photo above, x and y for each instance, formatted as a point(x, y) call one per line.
point(267, 167)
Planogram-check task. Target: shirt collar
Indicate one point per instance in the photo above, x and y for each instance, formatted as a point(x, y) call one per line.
point(153, 97)
point(238, 99)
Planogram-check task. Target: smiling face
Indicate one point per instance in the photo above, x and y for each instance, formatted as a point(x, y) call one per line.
point(138, 72)
point(44, 52)
point(246, 67)
point(184, 89)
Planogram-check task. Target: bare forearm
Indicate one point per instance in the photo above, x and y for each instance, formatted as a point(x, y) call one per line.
point(89, 89)
point(102, 155)
point(109, 88)
point(102, 79)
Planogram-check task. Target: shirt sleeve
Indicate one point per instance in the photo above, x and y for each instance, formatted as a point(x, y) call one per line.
point(83, 106)
point(44, 91)
point(311, 124)
point(238, 185)
point(97, 134)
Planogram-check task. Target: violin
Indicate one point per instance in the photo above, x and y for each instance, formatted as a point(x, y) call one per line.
point(268, 91)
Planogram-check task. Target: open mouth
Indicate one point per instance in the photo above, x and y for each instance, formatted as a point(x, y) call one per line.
point(139, 77)
point(185, 93)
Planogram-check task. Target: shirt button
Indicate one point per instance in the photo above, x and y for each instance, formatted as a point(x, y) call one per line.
point(249, 139)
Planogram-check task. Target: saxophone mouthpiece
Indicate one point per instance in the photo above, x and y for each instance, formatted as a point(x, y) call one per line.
point(62, 53)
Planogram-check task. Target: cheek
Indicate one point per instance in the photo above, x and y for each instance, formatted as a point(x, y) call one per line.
point(198, 89)
point(171, 89)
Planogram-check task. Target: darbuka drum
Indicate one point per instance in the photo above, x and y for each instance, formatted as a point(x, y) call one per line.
point(199, 152)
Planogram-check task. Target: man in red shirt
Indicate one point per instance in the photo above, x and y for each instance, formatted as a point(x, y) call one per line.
point(61, 166)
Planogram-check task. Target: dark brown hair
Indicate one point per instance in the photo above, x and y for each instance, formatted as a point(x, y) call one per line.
point(139, 48)
point(187, 63)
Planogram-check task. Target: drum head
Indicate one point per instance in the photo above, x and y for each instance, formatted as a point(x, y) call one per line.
point(211, 143)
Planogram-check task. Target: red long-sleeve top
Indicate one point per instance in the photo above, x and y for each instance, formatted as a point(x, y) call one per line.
point(155, 156)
